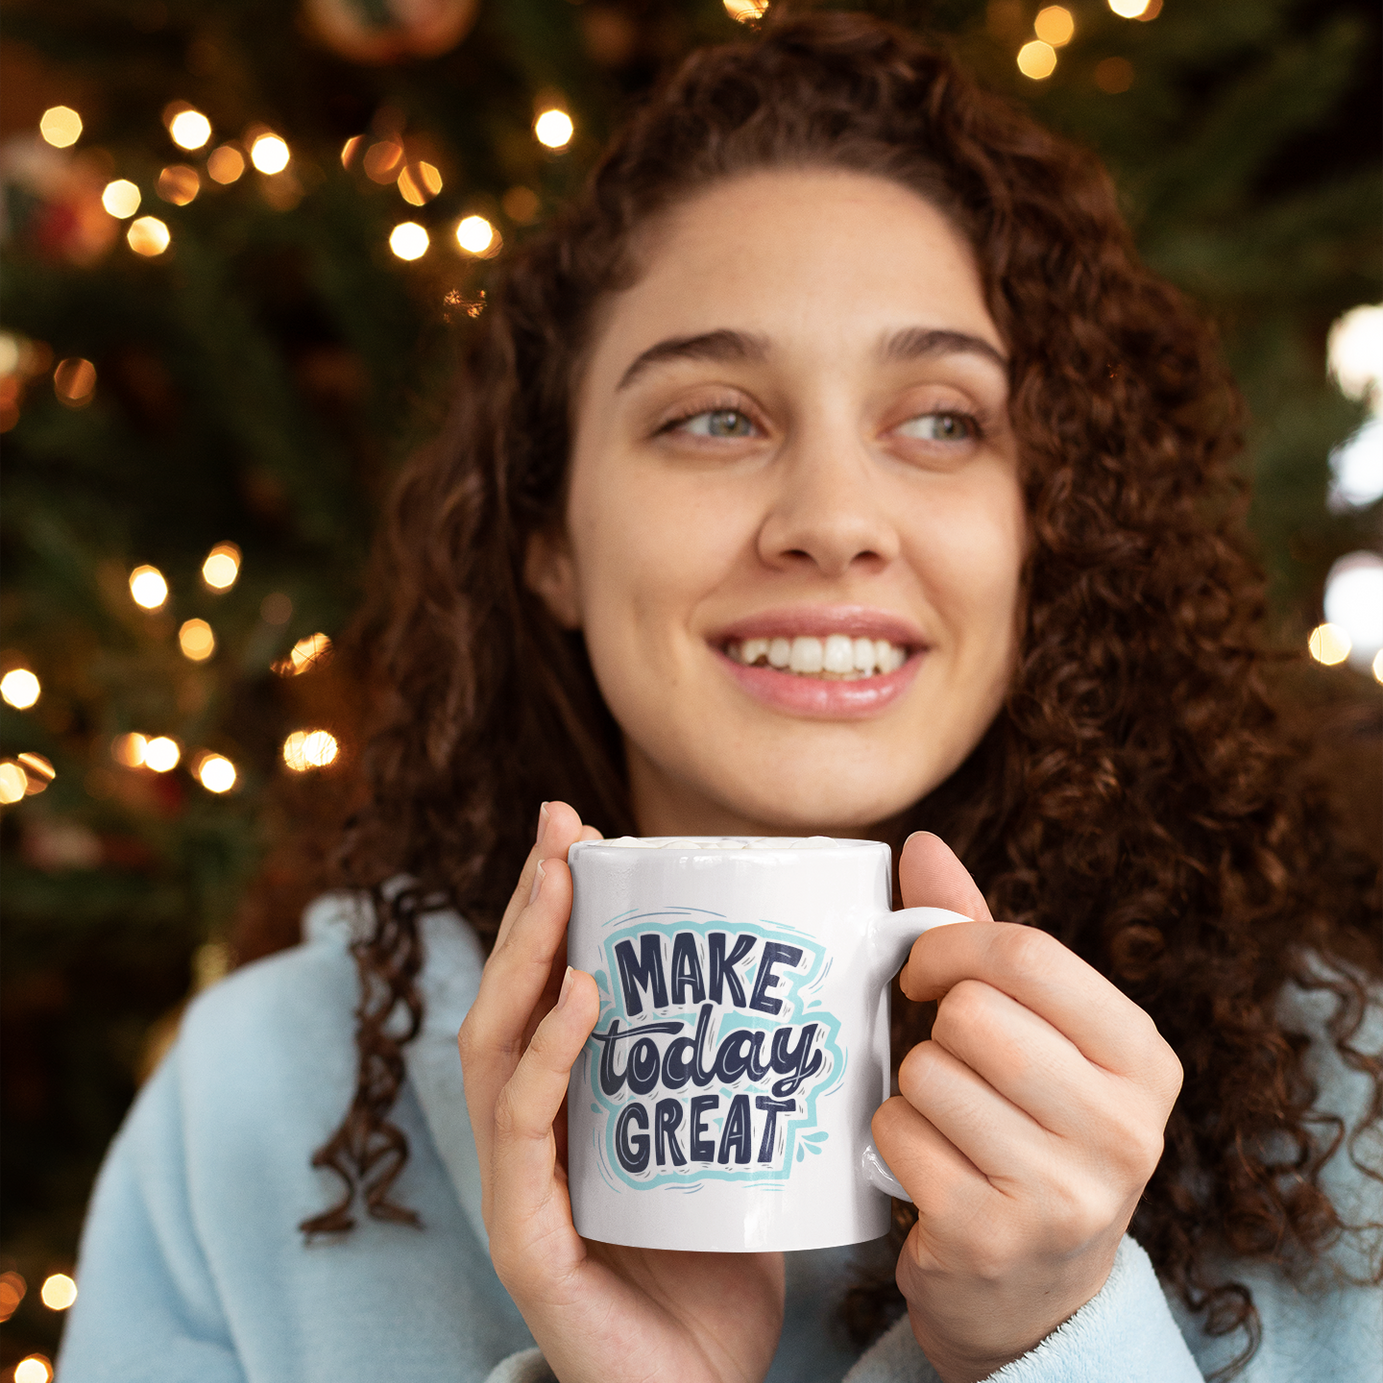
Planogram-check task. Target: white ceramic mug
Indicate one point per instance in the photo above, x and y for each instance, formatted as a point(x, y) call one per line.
point(723, 1102)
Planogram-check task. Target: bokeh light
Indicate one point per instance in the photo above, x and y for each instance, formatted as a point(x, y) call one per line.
point(20, 688)
point(269, 154)
point(1054, 25)
point(305, 654)
point(121, 198)
point(1037, 60)
point(350, 148)
point(419, 183)
point(14, 782)
point(1114, 75)
point(225, 164)
point(128, 750)
point(197, 640)
point(308, 749)
point(276, 608)
point(554, 129)
point(216, 773)
point(61, 126)
point(221, 567)
point(745, 11)
point(38, 770)
point(1354, 603)
point(1328, 644)
point(1128, 9)
point(1356, 468)
point(190, 129)
point(74, 382)
point(33, 1368)
point(162, 754)
point(58, 1292)
point(408, 240)
point(148, 236)
point(148, 587)
point(1354, 350)
point(12, 1289)
point(521, 204)
point(1378, 666)
point(382, 160)
point(477, 236)
point(179, 184)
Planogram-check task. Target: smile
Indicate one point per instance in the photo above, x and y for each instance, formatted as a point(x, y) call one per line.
point(836, 657)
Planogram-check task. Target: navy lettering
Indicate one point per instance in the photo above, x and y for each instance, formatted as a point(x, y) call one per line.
point(702, 1149)
point(632, 1151)
point(722, 966)
point(612, 1081)
point(735, 1133)
point(773, 1108)
point(686, 970)
point(701, 1073)
point(644, 973)
point(791, 1062)
point(740, 1052)
point(677, 1062)
point(774, 954)
point(642, 1070)
point(667, 1116)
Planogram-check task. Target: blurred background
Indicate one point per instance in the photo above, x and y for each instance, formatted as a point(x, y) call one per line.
point(242, 241)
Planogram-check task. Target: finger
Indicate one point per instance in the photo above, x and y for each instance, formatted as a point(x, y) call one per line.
point(1043, 975)
point(934, 1172)
point(930, 876)
point(558, 827)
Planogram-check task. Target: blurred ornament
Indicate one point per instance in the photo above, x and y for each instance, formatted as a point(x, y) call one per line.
point(384, 31)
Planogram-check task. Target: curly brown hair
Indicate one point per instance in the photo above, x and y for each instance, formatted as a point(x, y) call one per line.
point(1137, 796)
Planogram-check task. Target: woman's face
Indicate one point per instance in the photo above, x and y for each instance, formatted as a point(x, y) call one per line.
point(794, 532)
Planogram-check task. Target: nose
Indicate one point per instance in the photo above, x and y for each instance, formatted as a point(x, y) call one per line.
point(827, 512)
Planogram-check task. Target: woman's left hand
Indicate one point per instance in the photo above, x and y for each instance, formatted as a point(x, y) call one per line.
point(1025, 1130)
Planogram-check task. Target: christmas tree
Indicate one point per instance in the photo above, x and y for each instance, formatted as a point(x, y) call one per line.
point(243, 242)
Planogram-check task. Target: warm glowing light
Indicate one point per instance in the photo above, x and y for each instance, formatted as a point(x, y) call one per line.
point(39, 770)
point(74, 382)
point(744, 11)
point(190, 129)
point(148, 587)
point(226, 164)
point(121, 198)
point(382, 160)
point(128, 750)
point(1378, 666)
point(554, 128)
point(1114, 75)
point(20, 688)
point(307, 749)
point(1054, 25)
point(148, 236)
point(12, 1289)
point(197, 640)
point(1354, 603)
point(58, 1292)
point(14, 782)
point(1328, 644)
point(162, 754)
point(222, 566)
point(419, 183)
point(216, 773)
point(350, 148)
point(305, 654)
point(61, 126)
point(476, 235)
point(408, 240)
point(33, 1368)
point(1128, 9)
point(179, 184)
point(1355, 352)
point(1037, 60)
point(269, 154)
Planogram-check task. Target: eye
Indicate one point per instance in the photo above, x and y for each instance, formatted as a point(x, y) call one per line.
point(940, 427)
point(716, 422)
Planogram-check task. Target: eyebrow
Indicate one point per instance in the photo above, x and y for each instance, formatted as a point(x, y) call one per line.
point(711, 345)
point(914, 343)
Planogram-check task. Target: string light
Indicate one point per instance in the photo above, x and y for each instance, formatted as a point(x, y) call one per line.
point(305, 654)
point(197, 640)
point(216, 773)
point(60, 126)
point(225, 164)
point(1054, 25)
point(269, 153)
point(745, 11)
point(1130, 9)
point(20, 688)
point(162, 754)
point(1037, 60)
point(14, 782)
point(1329, 644)
point(1378, 666)
point(148, 587)
point(307, 749)
point(221, 567)
point(179, 184)
point(128, 750)
point(148, 236)
point(189, 129)
point(121, 198)
point(58, 1292)
point(477, 236)
point(38, 770)
point(408, 240)
point(419, 183)
point(74, 382)
point(12, 1290)
point(350, 148)
point(382, 161)
point(554, 128)
point(33, 1368)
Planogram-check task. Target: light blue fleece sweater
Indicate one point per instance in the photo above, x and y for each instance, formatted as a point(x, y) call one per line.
point(192, 1269)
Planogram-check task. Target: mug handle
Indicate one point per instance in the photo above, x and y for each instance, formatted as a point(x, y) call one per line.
point(892, 936)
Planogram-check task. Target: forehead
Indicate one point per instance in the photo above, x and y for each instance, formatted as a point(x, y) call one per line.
point(800, 257)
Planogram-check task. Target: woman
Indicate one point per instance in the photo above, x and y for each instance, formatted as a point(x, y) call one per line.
point(835, 353)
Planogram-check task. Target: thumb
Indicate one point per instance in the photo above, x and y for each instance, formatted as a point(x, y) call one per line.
point(931, 876)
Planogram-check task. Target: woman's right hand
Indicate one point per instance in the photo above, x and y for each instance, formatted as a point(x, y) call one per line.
point(599, 1312)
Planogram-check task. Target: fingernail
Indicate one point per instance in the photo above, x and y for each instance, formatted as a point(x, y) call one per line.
point(537, 882)
point(566, 987)
point(542, 822)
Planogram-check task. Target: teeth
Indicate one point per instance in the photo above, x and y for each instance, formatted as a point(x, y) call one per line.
point(836, 656)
